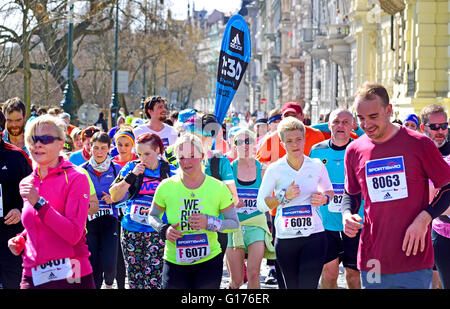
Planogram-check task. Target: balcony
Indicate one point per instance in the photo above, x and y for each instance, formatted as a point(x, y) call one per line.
point(319, 48)
point(336, 34)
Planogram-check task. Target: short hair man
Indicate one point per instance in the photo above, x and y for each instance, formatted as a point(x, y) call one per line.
point(435, 126)
point(155, 110)
point(341, 248)
point(271, 149)
point(15, 115)
point(389, 167)
point(15, 165)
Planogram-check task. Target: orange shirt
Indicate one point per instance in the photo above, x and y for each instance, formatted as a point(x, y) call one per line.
point(271, 149)
point(265, 153)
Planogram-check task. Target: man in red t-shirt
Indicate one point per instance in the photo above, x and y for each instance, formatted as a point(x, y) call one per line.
point(271, 149)
point(390, 167)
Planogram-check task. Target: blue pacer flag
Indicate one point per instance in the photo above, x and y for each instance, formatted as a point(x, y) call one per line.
point(235, 53)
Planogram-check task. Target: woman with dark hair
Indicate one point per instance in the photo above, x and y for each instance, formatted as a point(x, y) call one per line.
point(102, 227)
point(142, 246)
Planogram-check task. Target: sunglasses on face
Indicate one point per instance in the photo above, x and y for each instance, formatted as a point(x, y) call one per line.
point(45, 139)
point(437, 126)
point(90, 132)
point(240, 142)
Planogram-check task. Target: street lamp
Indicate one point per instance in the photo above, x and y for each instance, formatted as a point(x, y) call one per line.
point(66, 103)
point(114, 106)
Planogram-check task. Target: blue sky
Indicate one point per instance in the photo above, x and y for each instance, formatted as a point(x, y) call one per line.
point(179, 7)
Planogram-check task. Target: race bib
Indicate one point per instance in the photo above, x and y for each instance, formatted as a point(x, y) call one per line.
point(52, 271)
point(386, 179)
point(140, 208)
point(103, 210)
point(192, 248)
point(297, 220)
point(248, 196)
point(336, 201)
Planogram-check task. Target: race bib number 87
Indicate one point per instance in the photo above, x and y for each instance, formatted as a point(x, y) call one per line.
point(386, 179)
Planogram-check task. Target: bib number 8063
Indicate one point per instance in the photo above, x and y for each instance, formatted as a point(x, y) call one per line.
point(388, 181)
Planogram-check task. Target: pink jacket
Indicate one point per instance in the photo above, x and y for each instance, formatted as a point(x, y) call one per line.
point(58, 230)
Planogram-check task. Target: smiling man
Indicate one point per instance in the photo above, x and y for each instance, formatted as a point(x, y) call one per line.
point(155, 110)
point(390, 168)
point(15, 114)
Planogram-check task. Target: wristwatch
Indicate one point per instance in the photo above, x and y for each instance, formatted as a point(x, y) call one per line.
point(40, 203)
point(281, 197)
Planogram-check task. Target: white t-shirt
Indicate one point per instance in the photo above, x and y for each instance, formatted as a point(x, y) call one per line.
point(297, 218)
point(168, 134)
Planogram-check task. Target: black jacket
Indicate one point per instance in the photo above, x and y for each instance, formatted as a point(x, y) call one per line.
point(14, 166)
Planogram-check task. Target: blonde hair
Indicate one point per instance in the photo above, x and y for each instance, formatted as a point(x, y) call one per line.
point(290, 124)
point(57, 123)
point(188, 138)
point(244, 131)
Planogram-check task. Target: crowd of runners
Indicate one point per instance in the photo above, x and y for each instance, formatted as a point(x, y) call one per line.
point(166, 202)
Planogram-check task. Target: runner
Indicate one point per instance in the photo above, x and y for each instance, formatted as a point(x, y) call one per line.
point(125, 143)
point(411, 122)
point(435, 126)
point(389, 167)
point(82, 156)
point(155, 110)
point(15, 114)
point(192, 257)
point(15, 166)
point(56, 201)
point(341, 248)
point(216, 165)
point(300, 184)
point(141, 244)
point(440, 236)
point(272, 149)
point(253, 238)
point(102, 227)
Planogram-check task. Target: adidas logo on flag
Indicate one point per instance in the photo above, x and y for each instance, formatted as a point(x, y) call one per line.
point(236, 43)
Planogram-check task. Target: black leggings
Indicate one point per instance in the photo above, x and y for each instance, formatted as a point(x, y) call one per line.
point(206, 275)
point(301, 260)
point(441, 247)
point(102, 239)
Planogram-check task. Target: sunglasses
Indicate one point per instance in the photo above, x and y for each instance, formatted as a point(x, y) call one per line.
point(90, 132)
point(240, 142)
point(437, 126)
point(45, 139)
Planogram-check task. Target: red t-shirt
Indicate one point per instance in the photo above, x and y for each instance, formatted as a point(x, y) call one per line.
point(385, 171)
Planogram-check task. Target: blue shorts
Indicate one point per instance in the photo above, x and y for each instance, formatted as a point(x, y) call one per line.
point(420, 279)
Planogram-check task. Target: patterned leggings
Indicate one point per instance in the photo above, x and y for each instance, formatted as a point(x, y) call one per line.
point(143, 254)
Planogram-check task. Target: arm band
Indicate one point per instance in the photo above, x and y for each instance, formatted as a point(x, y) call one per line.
point(156, 223)
point(130, 178)
point(351, 203)
point(440, 202)
point(230, 221)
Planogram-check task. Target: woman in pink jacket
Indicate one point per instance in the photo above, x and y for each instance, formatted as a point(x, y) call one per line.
point(56, 201)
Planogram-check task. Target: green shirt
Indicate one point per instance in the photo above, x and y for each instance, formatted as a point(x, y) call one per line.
point(180, 202)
